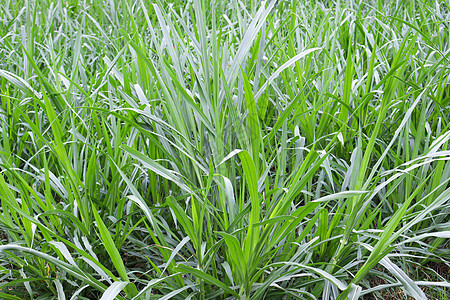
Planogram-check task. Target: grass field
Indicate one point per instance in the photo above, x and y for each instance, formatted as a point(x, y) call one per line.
point(224, 149)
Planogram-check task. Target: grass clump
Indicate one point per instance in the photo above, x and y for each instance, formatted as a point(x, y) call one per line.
point(224, 149)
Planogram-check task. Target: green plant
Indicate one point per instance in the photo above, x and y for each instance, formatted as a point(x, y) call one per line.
point(213, 150)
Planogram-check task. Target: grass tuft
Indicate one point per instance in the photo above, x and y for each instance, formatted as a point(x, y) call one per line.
point(224, 149)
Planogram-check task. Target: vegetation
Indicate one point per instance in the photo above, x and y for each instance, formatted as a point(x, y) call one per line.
point(224, 149)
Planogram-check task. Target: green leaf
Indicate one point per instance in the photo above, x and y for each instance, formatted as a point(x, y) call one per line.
point(208, 278)
point(113, 252)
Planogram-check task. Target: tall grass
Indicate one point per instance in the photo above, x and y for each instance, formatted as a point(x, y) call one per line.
point(224, 149)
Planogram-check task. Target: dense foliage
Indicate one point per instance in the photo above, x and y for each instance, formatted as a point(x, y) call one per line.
point(224, 149)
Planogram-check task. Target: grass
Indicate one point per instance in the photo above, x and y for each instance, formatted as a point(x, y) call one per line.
point(224, 149)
